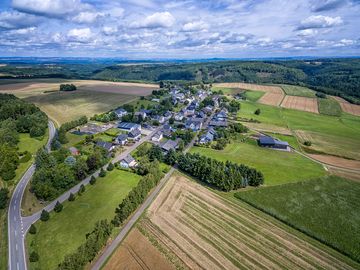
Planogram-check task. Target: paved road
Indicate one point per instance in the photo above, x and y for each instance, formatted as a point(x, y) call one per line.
point(17, 255)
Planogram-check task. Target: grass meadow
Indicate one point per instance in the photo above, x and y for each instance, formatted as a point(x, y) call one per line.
point(295, 90)
point(326, 209)
point(253, 95)
point(329, 106)
point(65, 231)
point(278, 167)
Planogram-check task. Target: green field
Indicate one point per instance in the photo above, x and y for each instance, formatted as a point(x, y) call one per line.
point(227, 91)
point(65, 231)
point(253, 95)
point(329, 106)
point(294, 90)
point(278, 167)
point(325, 208)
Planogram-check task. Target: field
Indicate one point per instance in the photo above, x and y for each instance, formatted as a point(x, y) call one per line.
point(329, 107)
point(253, 95)
point(91, 97)
point(136, 252)
point(294, 90)
point(207, 231)
point(300, 103)
point(337, 161)
point(278, 167)
point(66, 230)
point(348, 107)
point(327, 209)
point(273, 94)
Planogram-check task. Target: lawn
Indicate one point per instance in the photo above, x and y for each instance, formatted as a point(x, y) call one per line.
point(295, 90)
point(253, 95)
point(329, 106)
point(65, 231)
point(325, 208)
point(73, 139)
point(278, 167)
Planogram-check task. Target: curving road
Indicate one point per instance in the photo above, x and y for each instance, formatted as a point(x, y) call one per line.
point(16, 232)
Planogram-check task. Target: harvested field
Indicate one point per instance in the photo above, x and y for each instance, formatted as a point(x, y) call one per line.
point(207, 231)
point(337, 161)
point(348, 107)
point(301, 104)
point(136, 253)
point(274, 94)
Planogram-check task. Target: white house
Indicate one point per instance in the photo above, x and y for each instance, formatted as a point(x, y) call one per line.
point(122, 139)
point(157, 137)
point(120, 112)
point(128, 162)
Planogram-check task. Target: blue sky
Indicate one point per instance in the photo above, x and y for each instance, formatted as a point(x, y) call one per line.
point(146, 29)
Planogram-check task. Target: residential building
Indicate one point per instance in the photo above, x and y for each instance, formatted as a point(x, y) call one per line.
point(128, 162)
point(157, 136)
point(120, 112)
point(134, 135)
point(106, 145)
point(194, 124)
point(215, 123)
point(170, 144)
point(129, 126)
point(74, 151)
point(122, 139)
point(208, 137)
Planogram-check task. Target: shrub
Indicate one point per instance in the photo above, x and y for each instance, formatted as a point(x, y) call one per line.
point(32, 229)
point(307, 143)
point(81, 189)
point(110, 167)
point(4, 192)
point(92, 180)
point(71, 197)
point(34, 257)
point(102, 173)
point(257, 112)
point(45, 216)
point(58, 207)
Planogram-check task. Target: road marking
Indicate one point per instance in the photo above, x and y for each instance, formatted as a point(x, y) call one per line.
point(17, 266)
point(14, 207)
point(15, 233)
point(16, 247)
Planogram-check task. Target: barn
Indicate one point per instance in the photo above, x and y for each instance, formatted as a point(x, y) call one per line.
point(267, 141)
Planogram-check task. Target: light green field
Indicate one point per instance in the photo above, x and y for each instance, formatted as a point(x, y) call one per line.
point(278, 167)
point(227, 91)
point(65, 231)
point(326, 209)
point(253, 95)
point(294, 90)
point(329, 106)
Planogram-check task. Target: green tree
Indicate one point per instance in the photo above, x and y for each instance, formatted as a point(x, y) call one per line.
point(257, 111)
point(32, 229)
point(92, 180)
point(71, 197)
point(34, 257)
point(45, 216)
point(110, 167)
point(58, 207)
point(4, 197)
point(102, 173)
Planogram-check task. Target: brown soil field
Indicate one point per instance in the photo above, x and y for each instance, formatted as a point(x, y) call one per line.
point(207, 231)
point(137, 253)
point(355, 176)
point(348, 107)
point(301, 103)
point(274, 94)
point(337, 161)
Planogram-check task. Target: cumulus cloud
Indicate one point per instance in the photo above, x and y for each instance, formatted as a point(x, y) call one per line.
point(16, 20)
point(156, 20)
point(87, 17)
point(307, 32)
point(320, 21)
point(234, 38)
point(80, 35)
point(194, 26)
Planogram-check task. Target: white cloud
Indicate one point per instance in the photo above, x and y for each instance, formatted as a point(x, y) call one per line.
point(194, 26)
point(16, 20)
point(80, 34)
point(109, 30)
point(87, 17)
point(307, 32)
point(320, 21)
point(156, 20)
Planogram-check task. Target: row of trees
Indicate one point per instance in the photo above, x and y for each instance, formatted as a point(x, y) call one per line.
point(225, 176)
point(67, 87)
point(61, 134)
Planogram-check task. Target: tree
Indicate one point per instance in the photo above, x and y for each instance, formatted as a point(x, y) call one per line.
point(170, 157)
point(32, 229)
point(71, 197)
point(171, 121)
point(257, 112)
point(58, 207)
point(155, 153)
point(67, 87)
point(45, 216)
point(102, 173)
point(81, 189)
point(34, 257)
point(92, 180)
point(110, 167)
point(307, 143)
point(4, 197)
point(44, 160)
point(80, 168)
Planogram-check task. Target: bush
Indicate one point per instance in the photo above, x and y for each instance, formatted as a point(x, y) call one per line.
point(67, 87)
point(26, 157)
point(71, 197)
point(307, 143)
point(58, 207)
point(92, 180)
point(45, 216)
point(32, 229)
point(81, 189)
point(34, 257)
point(110, 167)
point(320, 95)
point(102, 173)
point(4, 192)
point(257, 112)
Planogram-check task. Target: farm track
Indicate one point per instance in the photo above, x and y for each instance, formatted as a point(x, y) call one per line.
point(208, 232)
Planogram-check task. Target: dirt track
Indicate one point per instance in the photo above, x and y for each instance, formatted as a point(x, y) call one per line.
point(348, 107)
point(337, 161)
point(301, 103)
point(274, 94)
point(208, 232)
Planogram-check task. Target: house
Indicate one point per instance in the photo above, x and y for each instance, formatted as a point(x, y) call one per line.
point(215, 123)
point(128, 162)
point(208, 136)
point(179, 116)
point(160, 119)
point(208, 109)
point(129, 126)
point(221, 116)
point(122, 139)
point(120, 112)
point(106, 145)
point(167, 115)
point(156, 100)
point(189, 111)
point(170, 144)
point(141, 114)
point(167, 130)
point(267, 141)
point(194, 124)
point(74, 151)
point(157, 137)
point(134, 135)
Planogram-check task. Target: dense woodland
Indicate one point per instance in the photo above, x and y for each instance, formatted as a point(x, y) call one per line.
point(332, 76)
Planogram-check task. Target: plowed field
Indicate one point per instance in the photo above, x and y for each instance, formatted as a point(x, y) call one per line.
point(301, 104)
point(348, 107)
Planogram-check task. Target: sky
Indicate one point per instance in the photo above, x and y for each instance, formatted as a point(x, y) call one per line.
point(182, 29)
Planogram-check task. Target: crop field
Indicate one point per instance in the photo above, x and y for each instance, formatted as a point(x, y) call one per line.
point(300, 103)
point(136, 252)
point(65, 231)
point(325, 208)
point(273, 94)
point(329, 107)
point(207, 231)
point(253, 95)
point(287, 164)
point(295, 90)
point(348, 107)
point(337, 161)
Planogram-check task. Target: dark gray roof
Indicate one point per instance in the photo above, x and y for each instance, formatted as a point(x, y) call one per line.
point(105, 145)
point(134, 133)
point(128, 126)
point(169, 144)
point(218, 123)
point(267, 140)
point(122, 137)
point(128, 159)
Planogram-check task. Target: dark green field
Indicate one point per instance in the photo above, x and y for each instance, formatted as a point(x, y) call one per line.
point(326, 209)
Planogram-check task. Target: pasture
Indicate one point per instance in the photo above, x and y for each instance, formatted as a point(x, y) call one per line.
point(295, 90)
point(329, 106)
point(278, 167)
point(207, 231)
point(300, 103)
point(253, 95)
point(65, 231)
point(326, 209)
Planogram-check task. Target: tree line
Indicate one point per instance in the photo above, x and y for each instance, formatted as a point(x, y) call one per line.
point(67, 87)
point(61, 133)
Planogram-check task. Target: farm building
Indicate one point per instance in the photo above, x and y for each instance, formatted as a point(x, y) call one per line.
point(129, 126)
point(267, 141)
point(128, 162)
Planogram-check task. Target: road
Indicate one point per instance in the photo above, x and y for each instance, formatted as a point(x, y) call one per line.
point(16, 232)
